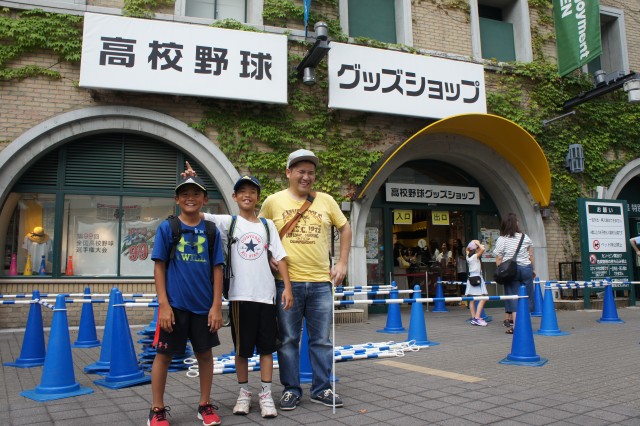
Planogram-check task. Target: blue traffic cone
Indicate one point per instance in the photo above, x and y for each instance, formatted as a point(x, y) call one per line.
point(306, 374)
point(609, 311)
point(124, 370)
point(87, 337)
point(58, 379)
point(102, 365)
point(549, 323)
point(151, 328)
point(523, 348)
point(537, 299)
point(32, 353)
point(394, 320)
point(439, 306)
point(417, 326)
point(305, 362)
point(42, 270)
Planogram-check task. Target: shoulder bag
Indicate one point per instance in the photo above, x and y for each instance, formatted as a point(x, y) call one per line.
point(506, 272)
point(290, 225)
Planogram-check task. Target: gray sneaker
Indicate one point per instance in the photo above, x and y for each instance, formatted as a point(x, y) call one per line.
point(289, 401)
point(326, 397)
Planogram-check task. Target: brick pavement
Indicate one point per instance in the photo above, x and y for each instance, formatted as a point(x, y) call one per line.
point(591, 379)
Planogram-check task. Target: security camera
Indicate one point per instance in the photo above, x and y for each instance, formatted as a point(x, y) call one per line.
point(309, 76)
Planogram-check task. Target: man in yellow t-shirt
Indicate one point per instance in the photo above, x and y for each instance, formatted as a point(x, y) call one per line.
point(312, 277)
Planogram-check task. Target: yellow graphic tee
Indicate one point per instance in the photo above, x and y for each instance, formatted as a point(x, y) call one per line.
point(308, 244)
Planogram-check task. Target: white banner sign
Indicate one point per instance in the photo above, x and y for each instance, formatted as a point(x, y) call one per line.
point(145, 55)
point(432, 194)
point(95, 246)
point(377, 80)
point(606, 227)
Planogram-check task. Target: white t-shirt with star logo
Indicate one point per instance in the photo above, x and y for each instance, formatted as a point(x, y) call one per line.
point(252, 279)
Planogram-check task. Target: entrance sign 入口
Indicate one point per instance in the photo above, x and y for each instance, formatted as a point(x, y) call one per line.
point(604, 230)
point(432, 194)
point(377, 80)
point(145, 55)
point(402, 217)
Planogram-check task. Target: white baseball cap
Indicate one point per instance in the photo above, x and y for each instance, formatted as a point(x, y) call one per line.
point(302, 155)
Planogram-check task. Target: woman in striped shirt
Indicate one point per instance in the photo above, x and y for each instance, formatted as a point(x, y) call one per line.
point(505, 249)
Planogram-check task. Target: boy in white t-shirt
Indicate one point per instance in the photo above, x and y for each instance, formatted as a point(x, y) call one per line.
point(252, 291)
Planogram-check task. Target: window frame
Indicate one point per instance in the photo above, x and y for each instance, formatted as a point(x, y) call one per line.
point(514, 11)
point(253, 12)
point(404, 25)
point(616, 15)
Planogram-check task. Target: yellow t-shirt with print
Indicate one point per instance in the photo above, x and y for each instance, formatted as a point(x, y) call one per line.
point(308, 244)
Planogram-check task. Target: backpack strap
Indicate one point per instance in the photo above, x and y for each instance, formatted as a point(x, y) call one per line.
point(210, 231)
point(230, 240)
point(266, 228)
point(176, 234)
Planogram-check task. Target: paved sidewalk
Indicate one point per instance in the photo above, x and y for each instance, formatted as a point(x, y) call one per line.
point(592, 378)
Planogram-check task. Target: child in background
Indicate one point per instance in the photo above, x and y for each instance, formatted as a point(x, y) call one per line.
point(474, 251)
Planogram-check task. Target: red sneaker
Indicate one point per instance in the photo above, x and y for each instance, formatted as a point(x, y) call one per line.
point(207, 413)
point(158, 416)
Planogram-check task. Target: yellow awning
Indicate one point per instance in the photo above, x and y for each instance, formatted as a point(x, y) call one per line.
point(505, 137)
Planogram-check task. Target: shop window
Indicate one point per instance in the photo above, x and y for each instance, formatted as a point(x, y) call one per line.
point(501, 30)
point(98, 200)
point(388, 21)
point(614, 55)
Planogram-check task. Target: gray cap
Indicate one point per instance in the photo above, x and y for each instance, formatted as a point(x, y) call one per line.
point(191, 180)
point(302, 155)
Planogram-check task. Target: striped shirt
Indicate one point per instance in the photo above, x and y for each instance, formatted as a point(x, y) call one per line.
point(506, 247)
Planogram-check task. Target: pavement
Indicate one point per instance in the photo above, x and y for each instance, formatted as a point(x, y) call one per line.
point(592, 378)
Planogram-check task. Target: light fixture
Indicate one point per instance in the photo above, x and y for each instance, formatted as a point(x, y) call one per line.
point(306, 69)
point(632, 87)
point(574, 161)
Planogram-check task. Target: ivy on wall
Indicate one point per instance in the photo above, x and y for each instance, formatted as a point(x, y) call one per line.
point(258, 137)
point(605, 127)
point(33, 30)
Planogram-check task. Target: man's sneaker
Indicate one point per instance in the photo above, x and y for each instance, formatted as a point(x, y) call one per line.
point(289, 401)
point(158, 416)
point(326, 398)
point(482, 322)
point(267, 407)
point(207, 413)
point(243, 404)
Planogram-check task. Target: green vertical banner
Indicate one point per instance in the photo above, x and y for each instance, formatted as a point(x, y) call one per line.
point(578, 40)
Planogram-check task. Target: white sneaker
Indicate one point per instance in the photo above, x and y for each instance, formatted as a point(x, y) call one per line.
point(267, 407)
point(482, 322)
point(243, 404)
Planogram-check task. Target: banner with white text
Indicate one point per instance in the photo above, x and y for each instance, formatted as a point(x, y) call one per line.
point(378, 80)
point(146, 55)
point(578, 39)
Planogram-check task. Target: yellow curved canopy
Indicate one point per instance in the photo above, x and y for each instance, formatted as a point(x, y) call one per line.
point(507, 138)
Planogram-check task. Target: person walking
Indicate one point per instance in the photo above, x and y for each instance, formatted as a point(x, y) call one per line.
point(475, 283)
point(506, 245)
point(304, 219)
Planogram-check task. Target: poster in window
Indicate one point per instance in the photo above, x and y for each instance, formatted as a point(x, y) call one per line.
point(136, 248)
point(95, 247)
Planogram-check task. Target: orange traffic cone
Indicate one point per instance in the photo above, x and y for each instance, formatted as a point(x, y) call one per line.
point(69, 270)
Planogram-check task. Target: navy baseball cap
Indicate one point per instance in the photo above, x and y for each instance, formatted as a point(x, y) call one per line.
point(247, 178)
point(191, 180)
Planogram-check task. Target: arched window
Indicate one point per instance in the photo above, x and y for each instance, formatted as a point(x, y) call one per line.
point(98, 201)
